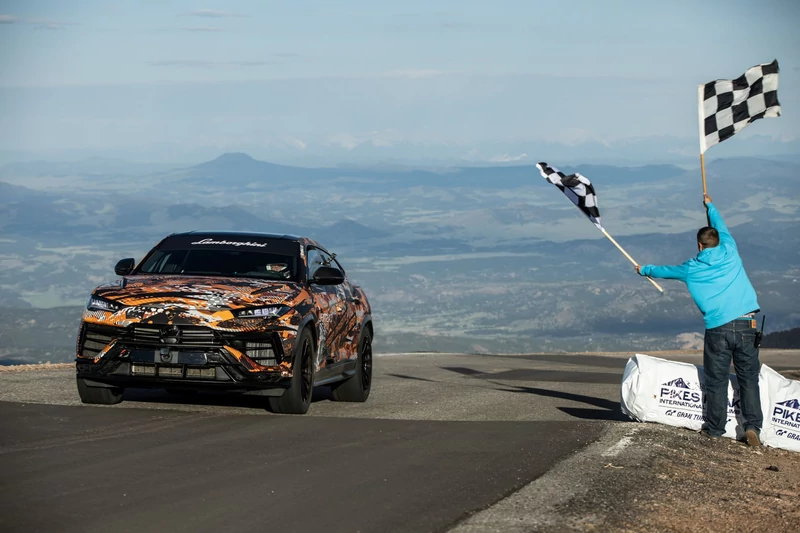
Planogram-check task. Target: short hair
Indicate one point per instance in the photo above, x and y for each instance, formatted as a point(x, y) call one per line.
point(708, 237)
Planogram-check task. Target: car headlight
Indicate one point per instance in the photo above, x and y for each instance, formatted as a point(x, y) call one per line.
point(96, 303)
point(271, 311)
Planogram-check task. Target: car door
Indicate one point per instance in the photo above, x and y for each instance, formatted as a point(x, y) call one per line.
point(353, 315)
point(330, 306)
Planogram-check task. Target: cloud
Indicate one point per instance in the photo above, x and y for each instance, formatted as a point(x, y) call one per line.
point(505, 158)
point(213, 13)
point(39, 24)
point(202, 63)
point(380, 139)
point(294, 142)
point(344, 140)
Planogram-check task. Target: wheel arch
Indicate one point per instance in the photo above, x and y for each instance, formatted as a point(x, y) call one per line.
point(367, 324)
point(309, 322)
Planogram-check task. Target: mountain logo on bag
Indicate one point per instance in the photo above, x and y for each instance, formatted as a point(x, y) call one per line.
point(787, 413)
point(794, 404)
point(680, 393)
point(678, 383)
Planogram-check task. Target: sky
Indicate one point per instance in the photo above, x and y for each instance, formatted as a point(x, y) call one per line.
point(338, 77)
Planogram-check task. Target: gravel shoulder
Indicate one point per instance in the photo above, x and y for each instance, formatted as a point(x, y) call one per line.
point(698, 485)
point(650, 478)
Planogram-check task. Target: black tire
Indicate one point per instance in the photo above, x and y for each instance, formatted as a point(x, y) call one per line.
point(297, 398)
point(98, 395)
point(356, 388)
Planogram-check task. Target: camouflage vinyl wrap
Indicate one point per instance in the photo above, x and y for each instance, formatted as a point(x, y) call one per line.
point(164, 300)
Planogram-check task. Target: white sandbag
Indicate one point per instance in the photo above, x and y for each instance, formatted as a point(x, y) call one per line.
point(780, 403)
point(671, 392)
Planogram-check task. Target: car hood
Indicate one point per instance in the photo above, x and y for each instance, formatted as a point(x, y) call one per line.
point(200, 293)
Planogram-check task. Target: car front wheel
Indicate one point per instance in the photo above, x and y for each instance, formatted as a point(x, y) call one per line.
point(98, 395)
point(297, 398)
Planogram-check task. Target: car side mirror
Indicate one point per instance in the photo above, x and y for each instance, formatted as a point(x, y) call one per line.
point(124, 266)
point(326, 275)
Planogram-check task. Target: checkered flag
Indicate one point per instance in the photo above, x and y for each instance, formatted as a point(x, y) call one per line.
point(726, 106)
point(577, 188)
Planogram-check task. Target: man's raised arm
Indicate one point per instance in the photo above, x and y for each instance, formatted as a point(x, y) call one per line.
point(716, 222)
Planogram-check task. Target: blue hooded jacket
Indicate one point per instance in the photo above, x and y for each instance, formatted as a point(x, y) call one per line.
point(715, 278)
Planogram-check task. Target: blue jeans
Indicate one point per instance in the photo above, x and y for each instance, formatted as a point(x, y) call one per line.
point(734, 340)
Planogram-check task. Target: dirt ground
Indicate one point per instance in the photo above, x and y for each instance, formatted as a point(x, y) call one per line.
point(709, 485)
point(692, 484)
point(32, 368)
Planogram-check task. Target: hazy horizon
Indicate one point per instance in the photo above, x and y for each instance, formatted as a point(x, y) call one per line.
point(417, 81)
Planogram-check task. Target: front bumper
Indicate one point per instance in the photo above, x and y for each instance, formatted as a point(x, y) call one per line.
point(190, 357)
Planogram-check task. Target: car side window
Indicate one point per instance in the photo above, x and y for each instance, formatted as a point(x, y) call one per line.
point(315, 260)
point(318, 258)
point(164, 262)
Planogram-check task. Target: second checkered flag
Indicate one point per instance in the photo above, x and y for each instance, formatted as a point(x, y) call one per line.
point(577, 188)
point(727, 106)
point(580, 191)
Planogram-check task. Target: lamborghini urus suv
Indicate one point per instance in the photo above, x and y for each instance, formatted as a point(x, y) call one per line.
point(252, 313)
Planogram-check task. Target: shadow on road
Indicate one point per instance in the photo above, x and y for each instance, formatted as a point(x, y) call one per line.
point(414, 378)
point(608, 409)
point(535, 374)
point(188, 397)
point(464, 371)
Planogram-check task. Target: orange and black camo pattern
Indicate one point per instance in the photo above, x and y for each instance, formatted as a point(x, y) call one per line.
point(336, 313)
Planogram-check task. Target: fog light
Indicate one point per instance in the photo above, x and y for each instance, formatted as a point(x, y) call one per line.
point(200, 373)
point(170, 371)
point(261, 353)
point(140, 369)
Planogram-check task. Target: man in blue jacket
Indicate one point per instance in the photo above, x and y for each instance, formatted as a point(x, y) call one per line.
point(719, 286)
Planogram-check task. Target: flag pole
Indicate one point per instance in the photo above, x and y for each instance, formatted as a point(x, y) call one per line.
point(701, 128)
point(610, 238)
point(703, 172)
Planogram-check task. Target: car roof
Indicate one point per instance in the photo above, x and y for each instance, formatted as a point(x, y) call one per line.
point(245, 234)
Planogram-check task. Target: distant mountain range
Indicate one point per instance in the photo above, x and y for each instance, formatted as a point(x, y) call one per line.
point(485, 258)
point(787, 339)
point(91, 166)
point(157, 203)
point(241, 170)
point(392, 148)
point(236, 168)
point(38, 215)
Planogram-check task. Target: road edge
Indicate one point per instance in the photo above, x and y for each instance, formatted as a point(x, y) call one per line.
point(541, 504)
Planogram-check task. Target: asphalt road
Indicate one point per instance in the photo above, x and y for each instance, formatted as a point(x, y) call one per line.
point(441, 437)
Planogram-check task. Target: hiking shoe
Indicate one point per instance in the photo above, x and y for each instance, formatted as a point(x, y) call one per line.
point(751, 438)
point(704, 432)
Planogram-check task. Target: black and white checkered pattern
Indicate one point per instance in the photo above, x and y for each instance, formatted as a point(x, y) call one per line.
point(577, 188)
point(727, 106)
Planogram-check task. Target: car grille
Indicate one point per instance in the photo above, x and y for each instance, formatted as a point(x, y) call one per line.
point(265, 351)
point(175, 335)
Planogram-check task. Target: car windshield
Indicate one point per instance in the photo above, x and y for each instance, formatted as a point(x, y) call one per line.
point(228, 263)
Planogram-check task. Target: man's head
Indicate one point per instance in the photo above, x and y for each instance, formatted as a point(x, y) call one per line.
point(707, 238)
